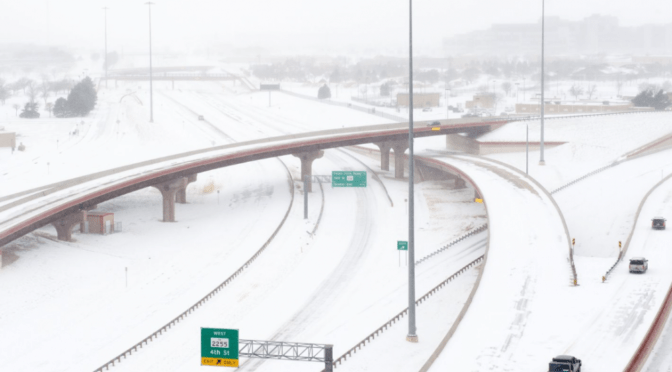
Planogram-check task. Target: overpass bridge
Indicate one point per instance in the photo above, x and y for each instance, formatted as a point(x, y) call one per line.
point(65, 204)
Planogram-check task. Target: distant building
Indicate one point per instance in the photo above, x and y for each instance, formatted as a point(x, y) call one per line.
point(420, 100)
point(482, 101)
point(592, 35)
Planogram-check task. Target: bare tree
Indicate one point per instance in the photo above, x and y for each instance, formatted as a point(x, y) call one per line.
point(591, 91)
point(32, 91)
point(667, 86)
point(49, 106)
point(45, 88)
point(4, 92)
point(506, 87)
point(619, 86)
point(16, 108)
point(576, 91)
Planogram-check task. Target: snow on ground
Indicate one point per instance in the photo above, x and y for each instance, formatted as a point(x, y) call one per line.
point(162, 289)
point(592, 142)
point(273, 298)
point(514, 321)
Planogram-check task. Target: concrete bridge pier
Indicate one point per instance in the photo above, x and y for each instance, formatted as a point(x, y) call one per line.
point(181, 195)
point(168, 190)
point(399, 148)
point(384, 154)
point(307, 159)
point(64, 225)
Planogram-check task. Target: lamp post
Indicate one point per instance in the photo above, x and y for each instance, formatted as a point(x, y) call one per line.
point(517, 84)
point(541, 143)
point(151, 98)
point(447, 106)
point(105, 9)
point(412, 336)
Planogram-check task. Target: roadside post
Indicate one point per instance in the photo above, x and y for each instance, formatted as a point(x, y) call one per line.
point(306, 179)
point(402, 246)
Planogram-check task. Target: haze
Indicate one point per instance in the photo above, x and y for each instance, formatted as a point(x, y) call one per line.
point(288, 26)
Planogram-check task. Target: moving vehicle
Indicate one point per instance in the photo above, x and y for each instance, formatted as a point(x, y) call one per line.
point(639, 265)
point(658, 223)
point(200, 117)
point(434, 124)
point(426, 109)
point(564, 363)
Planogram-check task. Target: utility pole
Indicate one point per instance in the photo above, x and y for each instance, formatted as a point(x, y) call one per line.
point(105, 9)
point(541, 143)
point(151, 98)
point(412, 336)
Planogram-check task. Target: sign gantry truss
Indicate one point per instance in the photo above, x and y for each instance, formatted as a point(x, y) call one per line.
point(287, 351)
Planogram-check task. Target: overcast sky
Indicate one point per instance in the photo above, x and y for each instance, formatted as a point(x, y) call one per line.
point(332, 25)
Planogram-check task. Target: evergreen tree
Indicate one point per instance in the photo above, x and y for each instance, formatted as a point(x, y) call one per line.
point(647, 98)
point(61, 108)
point(82, 98)
point(324, 92)
point(30, 111)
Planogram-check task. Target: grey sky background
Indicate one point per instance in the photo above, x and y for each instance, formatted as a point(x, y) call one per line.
point(290, 26)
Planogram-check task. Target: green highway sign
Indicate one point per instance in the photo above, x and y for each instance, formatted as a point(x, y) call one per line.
point(219, 347)
point(348, 179)
point(402, 245)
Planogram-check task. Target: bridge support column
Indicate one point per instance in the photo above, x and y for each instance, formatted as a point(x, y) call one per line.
point(181, 195)
point(307, 159)
point(399, 148)
point(64, 225)
point(384, 154)
point(168, 190)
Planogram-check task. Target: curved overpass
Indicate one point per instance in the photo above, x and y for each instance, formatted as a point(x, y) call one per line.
point(19, 217)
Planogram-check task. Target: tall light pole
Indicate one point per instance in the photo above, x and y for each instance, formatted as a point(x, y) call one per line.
point(541, 143)
point(151, 98)
point(105, 9)
point(412, 336)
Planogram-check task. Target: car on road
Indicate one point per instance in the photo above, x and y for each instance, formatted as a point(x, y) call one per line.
point(564, 363)
point(200, 117)
point(434, 124)
point(638, 265)
point(427, 109)
point(658, 223)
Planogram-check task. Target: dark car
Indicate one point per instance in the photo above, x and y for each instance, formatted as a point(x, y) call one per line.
point(564, 363)
point(658, 223)
point(434, 124)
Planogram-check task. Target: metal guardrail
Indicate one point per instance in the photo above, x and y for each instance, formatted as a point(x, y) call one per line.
point(398, 317)
point(596, 171)
point(207, 297)
point(459, 239)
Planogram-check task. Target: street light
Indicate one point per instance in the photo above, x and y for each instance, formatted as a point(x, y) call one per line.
point(517, 84)
point(151, 98)
point(541, 143)
point(412, 336)
point(105, 9)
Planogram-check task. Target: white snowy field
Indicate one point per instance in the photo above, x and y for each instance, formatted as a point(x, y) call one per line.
point(342, 283)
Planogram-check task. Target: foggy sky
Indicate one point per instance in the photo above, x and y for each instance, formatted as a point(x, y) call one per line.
point(333, 26)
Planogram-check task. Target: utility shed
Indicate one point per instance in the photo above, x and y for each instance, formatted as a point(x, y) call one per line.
point(7, 139)
point(98, 220)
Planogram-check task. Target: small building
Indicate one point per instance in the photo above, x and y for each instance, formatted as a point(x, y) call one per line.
point(420, 100)
point(8, 139)
point(99, 221)
point(481, 101)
